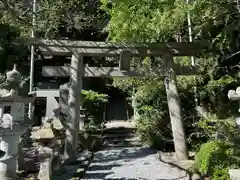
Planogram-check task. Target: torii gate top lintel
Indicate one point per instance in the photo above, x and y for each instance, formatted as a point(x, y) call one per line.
point(91, 48)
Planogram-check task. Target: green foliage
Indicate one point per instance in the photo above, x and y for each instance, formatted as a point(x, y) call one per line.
point(93, 126)
point(94, 97)
point(214, 156)
point(62, 17)
point(221, 174)
point(213, 128)
point(154, 125)
point(54, 18)
point(217, 21)
point(144, 21)
point(152, 108)
point(226, 128)
point(204, 158)
point(93, 103)
point(10, 51)
point(150, 127)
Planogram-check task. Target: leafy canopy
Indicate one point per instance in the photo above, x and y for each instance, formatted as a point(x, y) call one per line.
point(144, 20)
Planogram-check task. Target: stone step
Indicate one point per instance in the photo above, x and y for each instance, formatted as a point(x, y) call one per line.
point(128, 142)
point(118, 135)
point(120, 124)
point(126, 139)
point(111, 145)
point(119, 129)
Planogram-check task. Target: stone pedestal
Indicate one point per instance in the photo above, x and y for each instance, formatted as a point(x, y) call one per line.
point(46, 142)
point(8, 162)
point(45, 157)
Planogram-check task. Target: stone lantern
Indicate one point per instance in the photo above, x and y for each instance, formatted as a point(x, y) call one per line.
point(50, 137)
point(13, 122)
point(46, 142)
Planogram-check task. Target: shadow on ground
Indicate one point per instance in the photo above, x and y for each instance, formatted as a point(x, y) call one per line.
point(188, 172)
point(106, 161)
point(125, 154)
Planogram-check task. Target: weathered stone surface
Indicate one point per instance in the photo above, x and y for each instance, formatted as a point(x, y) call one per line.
point(63, 99)
point(45, 155)
point(234, 174)
point(63, 103)
point(7, 121)
point(174, 107)
point(8, 163)
point(18, 111)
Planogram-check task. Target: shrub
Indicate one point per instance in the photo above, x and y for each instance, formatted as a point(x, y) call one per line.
point(215, 157)
point(153, 125)
point(221, 174)
point(150, 131)
point(93, 102)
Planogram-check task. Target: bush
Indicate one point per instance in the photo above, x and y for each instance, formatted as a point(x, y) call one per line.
point(93, 102)
point(153, 125)
point(149, 127)
point(221, 174)
point(215, 158)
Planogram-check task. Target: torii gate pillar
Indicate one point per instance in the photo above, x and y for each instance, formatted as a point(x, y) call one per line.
point(174, 107)
point(74, 104)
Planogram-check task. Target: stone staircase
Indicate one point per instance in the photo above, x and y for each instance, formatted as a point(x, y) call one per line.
point(120, 134)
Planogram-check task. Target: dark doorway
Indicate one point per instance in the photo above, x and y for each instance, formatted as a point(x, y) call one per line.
point(39, 111)
point(117, 107)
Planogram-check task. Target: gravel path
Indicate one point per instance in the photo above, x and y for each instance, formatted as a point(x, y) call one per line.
point(131, 164)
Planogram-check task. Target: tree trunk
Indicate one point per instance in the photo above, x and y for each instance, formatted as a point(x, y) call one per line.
point(173, 99)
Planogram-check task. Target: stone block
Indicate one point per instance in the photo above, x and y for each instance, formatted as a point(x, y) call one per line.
point(234, 174)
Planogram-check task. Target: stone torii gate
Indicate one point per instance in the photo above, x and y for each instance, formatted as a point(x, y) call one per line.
point(78, 49)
